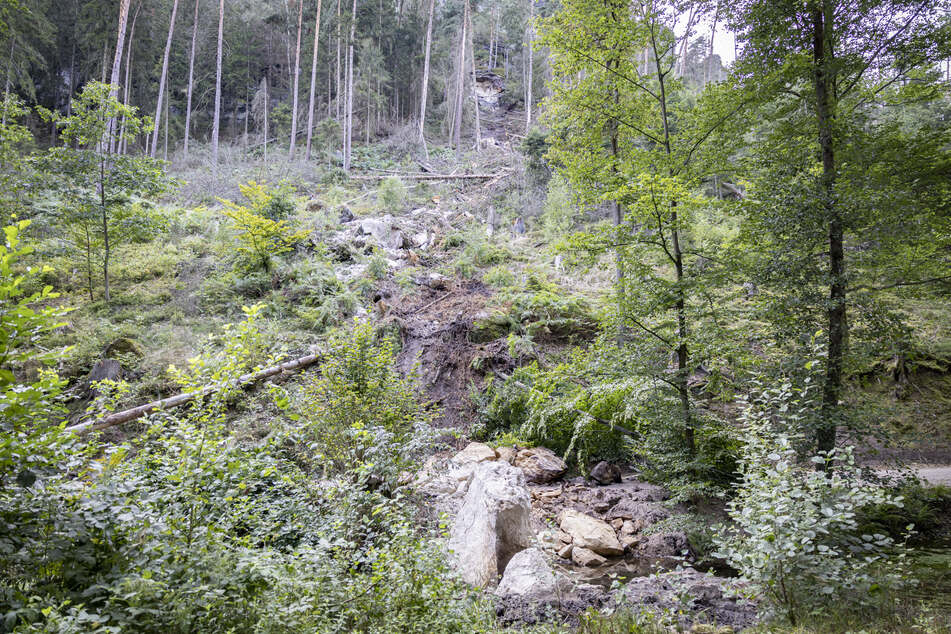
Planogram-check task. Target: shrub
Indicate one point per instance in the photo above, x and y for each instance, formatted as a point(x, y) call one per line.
point(391, 193)
point(558, 219)
point(795, 537)
point(360, 416)
point(261, 236)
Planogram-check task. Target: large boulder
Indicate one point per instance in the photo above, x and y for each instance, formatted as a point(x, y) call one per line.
point(591, 533)
point(660, 545)
point(382, 231)
point(493, 523)
point(606, 473)
point(528, 575)
point(475, 452)
point(640, 514)
point(540, 465)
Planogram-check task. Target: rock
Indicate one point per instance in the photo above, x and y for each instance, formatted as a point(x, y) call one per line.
point(382, 231)
point(475, 452)
point(506, 454)
point(121, 346)
point(602, 507)
point(627, 527)
point(565, 551)
point(606, 473)
point(629, 542)
point(540, 465)
point(105, 370)
point(528, 575)
point(709, 600)
point(564, 537)
point(641, 514)
point(661, 545)
point(617, 524)
point(591, 533)
point(345, 215)
point(493, 524)
point(586, 557)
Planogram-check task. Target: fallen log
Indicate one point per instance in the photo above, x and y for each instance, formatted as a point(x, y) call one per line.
point(428, 177)
point(178, 400)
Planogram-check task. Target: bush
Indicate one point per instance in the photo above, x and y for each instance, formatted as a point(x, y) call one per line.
point(391, 193)
point(261, 236)
point(360, 416)
point(558, 219)
point(796, 540)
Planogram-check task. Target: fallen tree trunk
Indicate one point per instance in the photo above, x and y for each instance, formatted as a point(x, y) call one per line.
point(178, 400)
point(429, 177)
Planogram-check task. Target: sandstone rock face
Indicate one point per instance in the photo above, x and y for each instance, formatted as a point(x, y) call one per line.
point(528, 575)
point(540, 465)
point(586, 557)
point(606, 473)
point(475, 452)
point(591, 533)
point(493, 523)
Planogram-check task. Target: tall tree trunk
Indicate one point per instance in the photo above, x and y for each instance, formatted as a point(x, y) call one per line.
point(475, 96)
point(531, 67)
point(8, 81)
point(116, 63)
point(313, 83)
point(123, 141)
point(460, 89)
point(217, 122)
point(825, 115)
point(267, 96)
point(191, 81)
point(300, 26)
point(424, 88)
point(164, 77)
point(348, 141)
point(168, 102)
point(337, 100)
point(680, 305)
point(708, 67)
point(106, 250)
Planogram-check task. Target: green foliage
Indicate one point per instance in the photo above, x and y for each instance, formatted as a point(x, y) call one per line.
point(186, 528)
point(795, 535)
point(31, 409)
point(261, 236)
point(16, 175)
point(360, 416)
point(558, 219)
point(392, 194)
point(95, 186)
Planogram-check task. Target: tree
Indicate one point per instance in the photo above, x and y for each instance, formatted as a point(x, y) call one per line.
point(348, 126)
point(164, 78)
point(300, 24)
point(191, 81)
point(831, 68)
point(217, 121)
point(627, 134)
point(313, 82)
point(97, 185)
point(424, 87)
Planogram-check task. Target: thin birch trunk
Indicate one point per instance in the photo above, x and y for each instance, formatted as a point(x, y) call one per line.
point(475, 97)
point(217, 121)
point(348, 141)
point(424, 92)
point(313, 83)
point(123, 141)
point(708, 69)
point(460, 87)
point(300, 25)
point(116, 63)
point(337, 100)
point(191, 80)
point(531, 67)
point(164, 77)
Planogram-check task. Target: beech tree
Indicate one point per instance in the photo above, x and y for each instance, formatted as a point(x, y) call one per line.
point(300, 24)
point(191, 80)
point(217, 121)
point(832, 69)
point(625, 133)
point(313, 82)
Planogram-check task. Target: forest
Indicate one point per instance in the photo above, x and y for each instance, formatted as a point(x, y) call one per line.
point(544, 316)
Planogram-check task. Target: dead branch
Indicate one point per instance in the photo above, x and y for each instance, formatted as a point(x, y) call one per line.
point(429, 177)
point(178, 400)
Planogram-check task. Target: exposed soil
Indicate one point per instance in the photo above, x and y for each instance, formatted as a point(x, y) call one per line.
point(434, 325)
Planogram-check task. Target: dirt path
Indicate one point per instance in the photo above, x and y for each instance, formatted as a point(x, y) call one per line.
point(935, 474)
